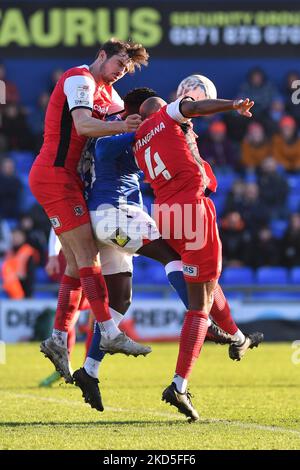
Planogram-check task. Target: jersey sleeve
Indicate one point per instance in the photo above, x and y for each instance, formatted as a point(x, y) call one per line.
point(79, 90)
point(174, 111)
point(113, 146)
point(117, 104)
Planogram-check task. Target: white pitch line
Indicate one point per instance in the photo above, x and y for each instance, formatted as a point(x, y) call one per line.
point(260, 427)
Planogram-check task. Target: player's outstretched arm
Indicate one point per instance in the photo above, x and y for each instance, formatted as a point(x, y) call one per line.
point(205, 107)
point(88, 126)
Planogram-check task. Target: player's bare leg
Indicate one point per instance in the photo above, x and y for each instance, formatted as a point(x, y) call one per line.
point(82, 244)
point(193, 334)
point(86, 378)
point(69, 297)
point(162, 252)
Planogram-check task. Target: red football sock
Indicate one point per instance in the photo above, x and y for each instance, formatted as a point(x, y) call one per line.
point(220, 312)
point(94, 288)
point(69, 296)
point(88, 340)
point(72, 333)
point(191, 340)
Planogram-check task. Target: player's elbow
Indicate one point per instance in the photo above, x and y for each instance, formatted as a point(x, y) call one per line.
point(82, 123)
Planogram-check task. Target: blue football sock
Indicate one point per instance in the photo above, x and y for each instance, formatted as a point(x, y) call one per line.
point(176, 279)
point(94, 351)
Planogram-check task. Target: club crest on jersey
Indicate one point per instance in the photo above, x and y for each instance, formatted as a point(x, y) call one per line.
point(189, 270)
point(120, 238)
point(79, 210)
point(82, 94)
point(55, 222)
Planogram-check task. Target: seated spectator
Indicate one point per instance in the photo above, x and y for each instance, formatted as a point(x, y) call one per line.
point(5, 238)
point(291, 108)
point(259, 89)
point(291, 242)
point(15, 129)
point(253, 211)
point(235, 197)
point(19, 266)
point(273, 188)
point(216, 148)
point(10, 190)
point(264, 249)
point(286, 145)
point(276, 113)
point(12, 92)
point(55, 76)
point(255, 146)
point(36, 120)
point(40, 219)
point(234, 239)
point(34, 236)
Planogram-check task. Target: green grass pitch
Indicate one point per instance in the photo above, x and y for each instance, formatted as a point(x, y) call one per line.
point(253, 404)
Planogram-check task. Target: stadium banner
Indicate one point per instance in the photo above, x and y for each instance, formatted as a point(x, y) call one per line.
point(157, 320)
point(202, 29)
point(18, 318)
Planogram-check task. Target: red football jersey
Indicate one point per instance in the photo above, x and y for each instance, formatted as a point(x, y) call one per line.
point(169, 157)
point(76, 88)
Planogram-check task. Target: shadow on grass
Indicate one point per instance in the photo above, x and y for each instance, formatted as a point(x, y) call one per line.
point(90, 424)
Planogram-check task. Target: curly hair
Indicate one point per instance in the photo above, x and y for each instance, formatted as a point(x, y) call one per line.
point(136, 52)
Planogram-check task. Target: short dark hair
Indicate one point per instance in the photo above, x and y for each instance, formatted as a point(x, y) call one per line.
point(136, 52)
point(134, 98)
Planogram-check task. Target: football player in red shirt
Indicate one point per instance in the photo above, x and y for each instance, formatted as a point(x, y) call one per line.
point(81, 99)
point(167, 153)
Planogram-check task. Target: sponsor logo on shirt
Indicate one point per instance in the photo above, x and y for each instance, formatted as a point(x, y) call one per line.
point(120, 238)
point(101, 109)
point(82, 94)
point(55, 222)
point(189, 270)
point(79, 210)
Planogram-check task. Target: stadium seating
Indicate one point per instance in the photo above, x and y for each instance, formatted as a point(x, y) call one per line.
point(238, 276)
point(272, 275)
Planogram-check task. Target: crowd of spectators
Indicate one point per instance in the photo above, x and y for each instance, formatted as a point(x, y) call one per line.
point(258, 210)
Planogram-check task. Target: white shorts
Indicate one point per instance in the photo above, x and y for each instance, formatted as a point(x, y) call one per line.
point(124, 230)
point(114, 261)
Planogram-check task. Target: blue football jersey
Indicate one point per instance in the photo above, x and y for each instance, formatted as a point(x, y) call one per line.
point(110, 173)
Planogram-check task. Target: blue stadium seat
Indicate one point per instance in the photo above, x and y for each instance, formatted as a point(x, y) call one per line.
point(44, 295)
point(219, 200)
point(12, 223)
point(278, 227)
point(272, 275)
point(41, 276)
point(238, 275)
point(295, 275)
point(294, 202)
point(23, 160)
point(294, 182)
point(225, 180)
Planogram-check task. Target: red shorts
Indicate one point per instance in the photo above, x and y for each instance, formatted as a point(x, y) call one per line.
point(60, 193)
point(194, 234)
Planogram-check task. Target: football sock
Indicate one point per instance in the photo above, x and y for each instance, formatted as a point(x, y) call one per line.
point(191, 340)
point(239, 337)
point(180, 382)
point(95, 291)
point(95, 355)
point(220, 312)
point(176, 279)
point(69, 296)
